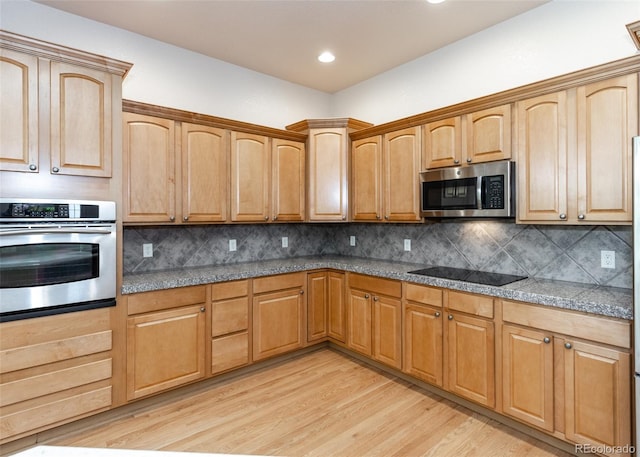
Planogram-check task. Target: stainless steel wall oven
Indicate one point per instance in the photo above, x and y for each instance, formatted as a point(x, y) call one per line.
point(56, 256)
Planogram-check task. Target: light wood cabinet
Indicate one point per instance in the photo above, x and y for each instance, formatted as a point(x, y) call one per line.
point(374, 318)
point(574, 153)
point(336, 306)
point(423, 356)
point(53, 370)
point(470, 347)
point(279, 318)
point(442, 143)
point(230, 343)
point(384, 177)
point(288, 181)
point(165, 339)
point(317, 305)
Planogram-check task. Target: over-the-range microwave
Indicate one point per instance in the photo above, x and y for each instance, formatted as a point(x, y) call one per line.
point(478, 190)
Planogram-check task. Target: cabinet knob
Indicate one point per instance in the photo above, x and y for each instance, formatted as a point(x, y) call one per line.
point(202, 309)
point(186, 218)
point(581, 217)
point(563, 216)
point(456, 161)
point(568, 345)
point(375, 298)
point(344, 218)
point(55, 169)
point(172, 218)
point(366, 295)
point(275, 218)
point(547, 340)
point(302, 292)
point(386, 218)
point(378, 216)
point(450, 317)
point(437, 314)
point(266, 218)
point(468, 159)
point(33, 167)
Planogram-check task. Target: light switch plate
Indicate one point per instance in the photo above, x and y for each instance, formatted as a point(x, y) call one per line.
point(232, 245)
point(285, 241)
point(147, 250)
point(407, 245)
point(352, 240)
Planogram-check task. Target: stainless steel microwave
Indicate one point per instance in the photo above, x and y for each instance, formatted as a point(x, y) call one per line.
point(479, 190)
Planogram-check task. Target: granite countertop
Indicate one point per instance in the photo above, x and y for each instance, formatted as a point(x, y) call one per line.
point(589, 298)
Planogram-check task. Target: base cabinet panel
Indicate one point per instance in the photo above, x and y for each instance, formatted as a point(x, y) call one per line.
point(229, 351)
point(423, 343)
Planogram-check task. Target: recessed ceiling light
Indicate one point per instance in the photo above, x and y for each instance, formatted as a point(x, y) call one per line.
point(326, 57)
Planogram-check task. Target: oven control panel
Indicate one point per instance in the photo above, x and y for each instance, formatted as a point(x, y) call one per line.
point(42, 210)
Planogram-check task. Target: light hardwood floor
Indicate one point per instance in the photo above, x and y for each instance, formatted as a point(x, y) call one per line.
point(322, 403)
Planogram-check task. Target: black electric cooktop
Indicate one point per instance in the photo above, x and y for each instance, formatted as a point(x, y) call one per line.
point(475, 276)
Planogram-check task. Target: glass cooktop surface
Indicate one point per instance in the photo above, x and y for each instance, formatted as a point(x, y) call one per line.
point(475, 276)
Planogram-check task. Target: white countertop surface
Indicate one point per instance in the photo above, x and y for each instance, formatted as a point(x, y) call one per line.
point(60, 451)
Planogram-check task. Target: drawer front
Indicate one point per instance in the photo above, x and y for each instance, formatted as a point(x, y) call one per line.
point(229, 352)
point(382, 286)
point(478, 305)
point(423, 294)
point(279, 282)
point(592, 328)
point(165, 299)
point(229, 316)
point(231, 289)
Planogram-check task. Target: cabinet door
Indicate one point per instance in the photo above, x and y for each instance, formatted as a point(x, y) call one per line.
point(527, 367)
point(366, 179)
point(288, 159)
point(542, 158)
point(277, 323)
point(337, 310)
point(471, 358)
point(607, 120)
point(165, 349)
point(402, 157)
point(317, 301)
point(81, 130)
point(387, 330)
point(18, 111)
point(489, 135)
point(597, 395)
point(149, 168)
point(442, 143)
point(204, 173)
point(359, 321)
point(423, 342)
point(328, 174)
point(250, 177)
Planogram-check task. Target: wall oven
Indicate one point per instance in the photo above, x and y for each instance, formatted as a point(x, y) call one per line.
point(56, 256)
point(479, 190)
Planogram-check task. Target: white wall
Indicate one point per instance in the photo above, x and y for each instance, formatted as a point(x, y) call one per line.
point(553, 39)
point(556, 38)
point(170, 76)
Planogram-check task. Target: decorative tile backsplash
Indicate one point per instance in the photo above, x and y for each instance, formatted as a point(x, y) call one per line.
point(570, 253)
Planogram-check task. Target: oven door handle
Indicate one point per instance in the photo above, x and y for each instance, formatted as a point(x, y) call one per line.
point(38, 231)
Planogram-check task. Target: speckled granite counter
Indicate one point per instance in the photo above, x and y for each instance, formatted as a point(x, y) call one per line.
point(605, 301)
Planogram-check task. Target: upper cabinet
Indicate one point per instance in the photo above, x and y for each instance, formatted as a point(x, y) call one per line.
point(58, 109)
point(481, 136)
point(328, 166)
point(574, 153)
point(384, 177)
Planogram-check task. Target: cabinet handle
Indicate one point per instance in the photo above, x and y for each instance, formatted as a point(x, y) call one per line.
point(172, 218)
point(344, 218)
point(468, 159)
point(456, 161)
point(378, 216)
point(568, 345)
point(437, 314)
point(302, 292)
point(375, 298)
point(450, 317)
point(581, 217)
point(547, 340)
point(266, 218)
point(202, 309)
point(186, 218)
point(275, 218)
point(33, 167)
point(55, 169)
point(366, 295)
point(386, 218)
point(563, 216)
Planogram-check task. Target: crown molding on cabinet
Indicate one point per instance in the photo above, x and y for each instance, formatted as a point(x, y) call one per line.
point(634, 30)
point(130, 106)
point(58, 53)
point(346, 122)
point(578, 78)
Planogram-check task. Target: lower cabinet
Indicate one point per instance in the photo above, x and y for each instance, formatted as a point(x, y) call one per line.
point(326, 312)
point(229, 325)
point(53, 370)
point(374, 318)
point(279, 318)
point(165, 339)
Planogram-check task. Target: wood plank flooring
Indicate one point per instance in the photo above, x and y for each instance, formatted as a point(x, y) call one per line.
point(320, 404)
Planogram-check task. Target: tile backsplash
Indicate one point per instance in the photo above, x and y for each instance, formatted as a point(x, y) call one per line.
point(570, 253)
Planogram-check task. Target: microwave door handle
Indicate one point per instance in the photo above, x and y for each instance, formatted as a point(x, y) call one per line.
point(56, 231)
point(481, 195)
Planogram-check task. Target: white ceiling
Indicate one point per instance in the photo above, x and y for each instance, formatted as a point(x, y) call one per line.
point(284, 38)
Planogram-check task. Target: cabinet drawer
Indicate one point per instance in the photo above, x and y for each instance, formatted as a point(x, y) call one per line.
point(374, 285)
point(229, 352)
point(165, 299)
point(423, 294)
point(593, 328)
point(478, 305)
point(229, 316)
point(279, 282)
point(230, 289)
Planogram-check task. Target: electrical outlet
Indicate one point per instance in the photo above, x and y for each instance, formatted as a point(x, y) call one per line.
point(608, 259)
point(147, 250)
point(232, 245)
point(352, 240)
point(407, 245)
point(285, 242)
